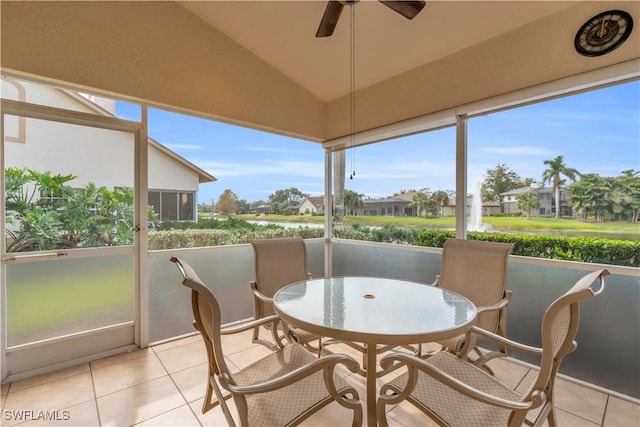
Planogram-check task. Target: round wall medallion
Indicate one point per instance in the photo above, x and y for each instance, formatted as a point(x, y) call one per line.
point(603, 33)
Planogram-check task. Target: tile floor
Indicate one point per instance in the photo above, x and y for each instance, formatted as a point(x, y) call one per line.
point(164, 386)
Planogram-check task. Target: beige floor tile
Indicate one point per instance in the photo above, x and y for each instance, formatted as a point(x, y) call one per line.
point(52, 396)
point(241, 359)
point(509, 373)
point(621, 413)
point(234, 343)
point(566, 419)
point(119, 358)
point(84, 415)
point(582, 401)
point(49, 377)
point(126, 374)
point(215, 416)
point(405, 414)
point(192, 382)
point(331, 415)
point(186, 356)
point(182, 416)
point(177, 343)
point(139, 403)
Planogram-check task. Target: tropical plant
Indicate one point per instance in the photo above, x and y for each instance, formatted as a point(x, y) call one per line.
point(526, 201)
point(420, 201)
point(630, 183)
point(614, 198)
point(441, 198)
point(557, 168)
point(44, 213)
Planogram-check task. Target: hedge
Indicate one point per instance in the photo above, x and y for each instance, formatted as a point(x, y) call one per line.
point(583, 249)
point(194, 238)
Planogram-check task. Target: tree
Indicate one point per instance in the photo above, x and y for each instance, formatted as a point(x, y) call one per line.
point(556, 168)
point(630, 182)
point(227, 203)
point(284, 201)
point(352, 201)
point(243, 206)
point(588, 196)
point(499, 180)
point(527, 201)
point(204, 208)
point(441, 198)
point(419, 201)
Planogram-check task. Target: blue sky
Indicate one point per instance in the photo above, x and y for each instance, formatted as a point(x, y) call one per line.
point(597, 132)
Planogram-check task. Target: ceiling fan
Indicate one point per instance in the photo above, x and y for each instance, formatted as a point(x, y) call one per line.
point(408, 9)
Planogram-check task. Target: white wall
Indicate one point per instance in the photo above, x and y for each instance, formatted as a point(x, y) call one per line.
point(104, 157)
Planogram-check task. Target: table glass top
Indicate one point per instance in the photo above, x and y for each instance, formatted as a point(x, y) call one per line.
point(376, 306)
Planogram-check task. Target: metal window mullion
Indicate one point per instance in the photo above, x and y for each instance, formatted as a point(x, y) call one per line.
point(328, 214)
point(461, 177)
point(3, 293)
point(141, 266)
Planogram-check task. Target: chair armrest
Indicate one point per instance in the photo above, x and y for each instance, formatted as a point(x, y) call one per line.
point(495, 307)
point(250, 325)
point(502, 340)
point(414, 364)
point(258, 294)
point(325, 362)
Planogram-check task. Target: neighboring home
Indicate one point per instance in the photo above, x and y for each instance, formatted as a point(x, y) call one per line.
point(91, 154)
point(398, 205)
point(260, 209)
point(312, 206)
point(488, 208)
point(545, 197)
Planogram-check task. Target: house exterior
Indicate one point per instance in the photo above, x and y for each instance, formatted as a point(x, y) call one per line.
point(93, 155)
point(312, 206)
point(398, 205)
point(508, 201)
point(488, 207)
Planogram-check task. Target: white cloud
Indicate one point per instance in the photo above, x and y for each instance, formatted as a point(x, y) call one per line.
point(516, 151)
point(264, 168)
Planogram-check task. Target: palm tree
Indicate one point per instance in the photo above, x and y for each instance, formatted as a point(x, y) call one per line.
point(441, 198)
point(556, 167)
point(420, 201)
point(527, 201)
point(352, 201)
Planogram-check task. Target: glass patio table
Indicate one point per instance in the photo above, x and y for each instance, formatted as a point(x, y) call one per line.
point(372, 311)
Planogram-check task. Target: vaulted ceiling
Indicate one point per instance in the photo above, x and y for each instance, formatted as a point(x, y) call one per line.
point(259, 64)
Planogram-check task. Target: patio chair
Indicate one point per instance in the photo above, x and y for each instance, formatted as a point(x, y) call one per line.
point(279, 262)
point(454, 392)
point(477, 270)
point(283, 388)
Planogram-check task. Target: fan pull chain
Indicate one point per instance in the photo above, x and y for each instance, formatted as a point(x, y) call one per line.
point(353, 87)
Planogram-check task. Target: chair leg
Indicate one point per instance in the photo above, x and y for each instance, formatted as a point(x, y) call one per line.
point(551, 418)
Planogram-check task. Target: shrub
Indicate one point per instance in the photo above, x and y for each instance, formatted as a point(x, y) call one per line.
point(583, 249)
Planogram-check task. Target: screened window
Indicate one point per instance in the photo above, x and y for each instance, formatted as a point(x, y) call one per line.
point(173, 205)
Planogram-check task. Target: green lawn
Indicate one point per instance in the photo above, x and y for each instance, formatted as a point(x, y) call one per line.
point(497, 223)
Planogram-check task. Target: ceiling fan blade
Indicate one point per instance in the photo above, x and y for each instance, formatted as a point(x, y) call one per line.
point(408, 9)
point(329, 19)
